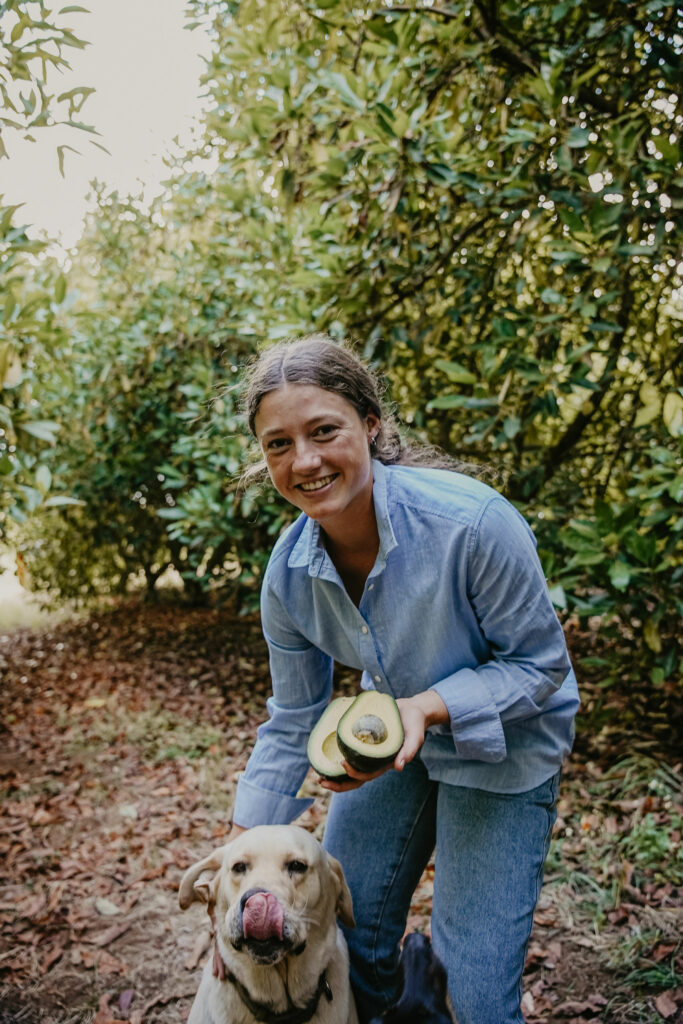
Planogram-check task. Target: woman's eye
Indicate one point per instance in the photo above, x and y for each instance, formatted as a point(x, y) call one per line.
point(276, 444)
point(297, 867)
point(326, 428)
point(239, 868)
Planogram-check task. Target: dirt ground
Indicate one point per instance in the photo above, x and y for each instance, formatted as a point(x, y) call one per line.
point(122, 738)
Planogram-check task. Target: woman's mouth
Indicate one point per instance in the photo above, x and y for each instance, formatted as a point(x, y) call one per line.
point(317, 485)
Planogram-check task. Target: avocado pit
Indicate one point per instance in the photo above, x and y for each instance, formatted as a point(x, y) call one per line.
point(369, 729)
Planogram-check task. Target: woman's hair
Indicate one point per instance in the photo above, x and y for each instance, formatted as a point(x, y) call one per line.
point(316, 359)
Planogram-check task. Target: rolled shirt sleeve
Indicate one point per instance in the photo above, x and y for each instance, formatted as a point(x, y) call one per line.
point(302, 687)
point(528, 657)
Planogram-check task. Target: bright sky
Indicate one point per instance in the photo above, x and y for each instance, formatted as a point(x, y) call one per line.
point(145, 67)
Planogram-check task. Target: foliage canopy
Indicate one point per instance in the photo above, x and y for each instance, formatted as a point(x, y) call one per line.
point(483, 195)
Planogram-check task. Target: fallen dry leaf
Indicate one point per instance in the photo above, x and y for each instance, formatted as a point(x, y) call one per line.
point(125, 999)
point(665, 1005)
point(106, 907)
point(110, 935)
point(103, 1015)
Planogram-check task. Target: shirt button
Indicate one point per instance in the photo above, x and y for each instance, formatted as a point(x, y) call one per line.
point(363, 629)
point(378, 679)
point(371, 587)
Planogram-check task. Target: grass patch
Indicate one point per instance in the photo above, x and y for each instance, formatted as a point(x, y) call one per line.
point(613, 876)
point(157, 735)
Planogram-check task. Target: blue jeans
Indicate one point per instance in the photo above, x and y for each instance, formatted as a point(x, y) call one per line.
point(490, 849)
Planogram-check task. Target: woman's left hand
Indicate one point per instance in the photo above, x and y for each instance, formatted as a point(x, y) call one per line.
point(417, 714)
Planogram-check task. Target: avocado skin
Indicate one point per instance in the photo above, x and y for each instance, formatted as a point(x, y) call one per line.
point(366, 763)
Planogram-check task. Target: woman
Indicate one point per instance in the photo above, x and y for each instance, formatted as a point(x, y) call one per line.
point(428, 581)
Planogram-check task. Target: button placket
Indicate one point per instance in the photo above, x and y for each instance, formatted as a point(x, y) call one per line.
point(368, 652)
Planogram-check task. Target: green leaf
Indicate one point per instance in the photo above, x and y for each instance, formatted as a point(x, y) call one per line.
point(337, 83)
point(672, 413)
point(60, 289)
point(550, 296)
point(512, 426)
point(558, 13)
point(558, 596)
point(455, 372)
point(43, 479)
point(462, 402)
point(171, 513)
point(620, 575)
point(60, 156)
point(578, 138)
point(60, 500)
point(652, 636)
point(44, 430)
point(8, 310)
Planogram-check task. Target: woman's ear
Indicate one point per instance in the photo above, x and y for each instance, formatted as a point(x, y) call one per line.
point(373, 425)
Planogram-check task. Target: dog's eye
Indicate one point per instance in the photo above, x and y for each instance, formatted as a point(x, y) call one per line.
point(239, 868)
point(296, 867)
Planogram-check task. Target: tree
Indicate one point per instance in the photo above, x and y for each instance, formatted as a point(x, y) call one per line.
point(32, 332)
point(484, 196)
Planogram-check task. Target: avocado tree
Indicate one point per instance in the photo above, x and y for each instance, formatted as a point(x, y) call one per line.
point(484, 197)
point(33, 46)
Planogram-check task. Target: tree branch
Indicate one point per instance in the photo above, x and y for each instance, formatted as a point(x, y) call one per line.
point(555, 457)
point(416, 284)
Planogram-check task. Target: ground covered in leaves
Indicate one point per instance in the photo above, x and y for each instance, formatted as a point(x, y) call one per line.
point(122, 737)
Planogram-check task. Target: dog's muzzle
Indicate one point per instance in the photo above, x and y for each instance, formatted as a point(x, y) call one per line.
point(261, 927)
point(262, 916)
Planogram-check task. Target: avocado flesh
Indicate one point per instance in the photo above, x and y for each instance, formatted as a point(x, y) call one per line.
point(370, 732)
point(323, 751)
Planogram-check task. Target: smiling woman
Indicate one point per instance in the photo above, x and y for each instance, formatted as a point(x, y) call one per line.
point(317, 449)
point(429, 582)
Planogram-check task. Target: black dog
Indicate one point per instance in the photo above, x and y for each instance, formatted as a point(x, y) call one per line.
point(422, 986)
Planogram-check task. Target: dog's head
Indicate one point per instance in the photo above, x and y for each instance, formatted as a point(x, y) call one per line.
point(273, 890)
point(422, 990)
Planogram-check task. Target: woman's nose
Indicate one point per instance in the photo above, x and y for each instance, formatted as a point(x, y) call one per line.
point(306, 457)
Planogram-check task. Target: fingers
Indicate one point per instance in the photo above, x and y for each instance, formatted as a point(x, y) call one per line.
point(363, 776)
point(355, 780)
point(339, 787)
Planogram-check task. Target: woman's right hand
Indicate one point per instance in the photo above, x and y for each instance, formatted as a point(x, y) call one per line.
point(417, 714)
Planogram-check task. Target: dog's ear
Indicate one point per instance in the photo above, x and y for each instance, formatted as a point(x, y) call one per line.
point(344, 902)
point(202, 891)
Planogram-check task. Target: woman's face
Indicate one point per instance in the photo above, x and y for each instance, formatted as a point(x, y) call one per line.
point(316, 448)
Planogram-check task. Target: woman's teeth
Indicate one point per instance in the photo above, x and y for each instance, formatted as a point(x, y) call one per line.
point(315, 485)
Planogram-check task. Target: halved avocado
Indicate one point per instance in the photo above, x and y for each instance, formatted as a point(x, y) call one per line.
point(370, 732)
point(323, 750)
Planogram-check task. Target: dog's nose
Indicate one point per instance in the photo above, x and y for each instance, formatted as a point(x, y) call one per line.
point(247, 896)
point(262, 917)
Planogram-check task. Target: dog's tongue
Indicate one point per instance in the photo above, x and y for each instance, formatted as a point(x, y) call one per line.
point(262, 917)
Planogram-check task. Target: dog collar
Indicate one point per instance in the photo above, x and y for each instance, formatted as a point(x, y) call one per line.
point(293, 1014)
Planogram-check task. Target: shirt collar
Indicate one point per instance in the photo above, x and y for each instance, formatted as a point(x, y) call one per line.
point(309, 551)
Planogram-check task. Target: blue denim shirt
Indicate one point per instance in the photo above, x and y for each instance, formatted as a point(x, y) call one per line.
point(457, 602)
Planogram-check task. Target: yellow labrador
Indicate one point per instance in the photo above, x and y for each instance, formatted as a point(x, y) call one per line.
point(280, 956)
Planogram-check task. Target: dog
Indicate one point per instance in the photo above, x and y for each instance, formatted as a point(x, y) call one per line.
point(279, 956)
point(422, 990)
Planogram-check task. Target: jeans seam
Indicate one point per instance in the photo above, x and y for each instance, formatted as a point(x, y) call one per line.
point(430, 794)
point(554, 789)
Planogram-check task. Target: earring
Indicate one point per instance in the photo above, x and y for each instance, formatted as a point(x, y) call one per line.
point(373, 442)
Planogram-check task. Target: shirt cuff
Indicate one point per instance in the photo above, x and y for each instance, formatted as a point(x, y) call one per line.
point(257, 806)
point(475, 723)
